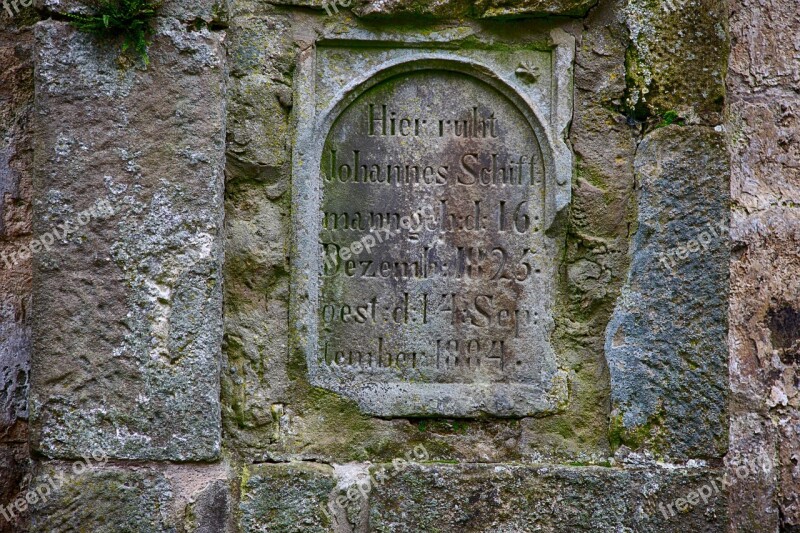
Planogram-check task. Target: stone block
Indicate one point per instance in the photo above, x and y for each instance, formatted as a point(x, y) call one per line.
point(666, 343)
point(469, 8)
point(415, 8)
point(145, 150)
point(15, 466)
point(16, 169)
point(199, 12)
point(211, 510)
point(286, 498)
point(506, 498)
point(752, 499)
point(677, 60)
point(66, 497)
point(540, 8)
point(764, 47)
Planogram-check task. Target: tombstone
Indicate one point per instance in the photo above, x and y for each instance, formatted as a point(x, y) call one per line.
point(426, 186)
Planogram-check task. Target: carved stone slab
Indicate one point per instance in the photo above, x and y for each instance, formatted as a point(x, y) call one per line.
point(425, 182)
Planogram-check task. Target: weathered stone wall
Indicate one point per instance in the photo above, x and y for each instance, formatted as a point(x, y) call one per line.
point(666, 342)
point(146, 384)
point(16, 162)
point(154, 343)
point(763, 129)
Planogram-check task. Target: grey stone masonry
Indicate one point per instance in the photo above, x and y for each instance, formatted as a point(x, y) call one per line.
point(128, 179)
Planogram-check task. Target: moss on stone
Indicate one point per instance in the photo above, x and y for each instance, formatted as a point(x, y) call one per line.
point(668, 71)
point(649, 435)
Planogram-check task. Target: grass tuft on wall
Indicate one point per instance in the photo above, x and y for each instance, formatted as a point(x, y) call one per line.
point(130, 21)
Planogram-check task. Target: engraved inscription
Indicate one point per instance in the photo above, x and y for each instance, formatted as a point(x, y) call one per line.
point(435, 264)
point(428, 188)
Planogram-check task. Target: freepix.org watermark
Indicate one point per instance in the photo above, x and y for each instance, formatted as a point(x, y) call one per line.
point(710, 234)
point(359, 491)
point(751, 467)
point(333, 252)
point(332, 6)
point(13, 6)
point(51, 483)
point(101, 209)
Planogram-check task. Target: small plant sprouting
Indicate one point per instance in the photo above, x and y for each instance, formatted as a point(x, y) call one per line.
point(670, 117)
point(128, 20)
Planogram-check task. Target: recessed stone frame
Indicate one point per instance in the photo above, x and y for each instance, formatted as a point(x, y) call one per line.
point(388, 394)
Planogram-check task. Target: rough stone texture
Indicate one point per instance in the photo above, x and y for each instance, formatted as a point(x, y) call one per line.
point(765, 291)
point(211, 511)
point(256, 230)
point(15, 468)
point(602, 211)
point(442, 9)
point(415, 8)
point(788, 422)
point(94, 494)
point(285, 498)
point(677, 60)
point(102, 500)
point(752, 501)
point(16, 162)
point(143, 382)
point(666, 344)
point(505, 498)
point(764, 109)
point(763, 82)
point(397, 497)
point(198, 13)
point(516, 8)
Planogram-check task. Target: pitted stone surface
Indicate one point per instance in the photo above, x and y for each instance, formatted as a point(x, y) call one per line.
point(101, 500)
point(286, 498)
point(666, 343)
point(143, 381)
point(763, 86)
point(192, 11)
point(466, 8)
point(506, 498)
point(16, 168)
point(517, 8)
point(15, 466)
point(677, 59)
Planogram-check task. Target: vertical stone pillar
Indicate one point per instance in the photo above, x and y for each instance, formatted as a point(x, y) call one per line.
point(128, 213)
point(16, 161)
point(764, 120)
point(665, 343)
